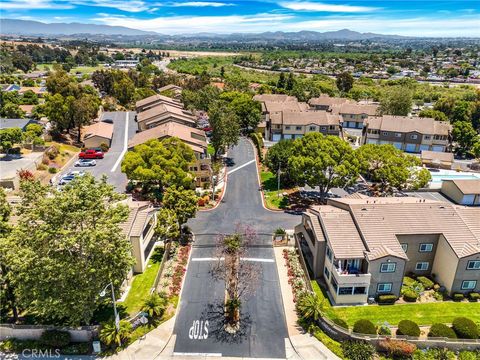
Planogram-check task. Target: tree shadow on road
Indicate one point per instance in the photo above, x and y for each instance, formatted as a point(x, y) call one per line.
point(215, 314)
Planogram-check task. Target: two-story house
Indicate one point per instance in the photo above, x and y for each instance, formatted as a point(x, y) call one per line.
point(363, 247)
point(327, 103)
point(354, 114)
point(162, 114)
point(410, 134)
point(155, 100)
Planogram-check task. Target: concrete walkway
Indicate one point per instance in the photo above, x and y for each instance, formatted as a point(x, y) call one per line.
point(304, 345)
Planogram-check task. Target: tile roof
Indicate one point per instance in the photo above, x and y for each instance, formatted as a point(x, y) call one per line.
point(437, 155)
point(355, 109)
point(164, 109)
point(340, 232)
point(405, 124)
point(193, 137)
point(139, 212)
point(305, 118)
point(326, 100)
point(158, 98)
point(100, 128)
point(275, 98)
point(380, 220)
point(467, 186)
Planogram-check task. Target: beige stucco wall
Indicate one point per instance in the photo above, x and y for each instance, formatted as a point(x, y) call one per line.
point(450, 190)
point(463, 274)
point(413, 253)
point(445, 264)
point(396, 278)
point(96, 141)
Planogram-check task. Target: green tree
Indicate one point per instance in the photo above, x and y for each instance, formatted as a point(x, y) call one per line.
point(281, 81)
point(29, 98)
point(277, 158)
point(124, 91)
point(445, 104)
point(67, 245)
point(391, 168)
point(110, 336)
point(157, 164)
point(9, 137)
point(12, 111)
point(435, 114)
point(32, 132)
point(154, 306)
point(84, 110)
point(55, 109)
point(182, 201)
point(22, 61)
point(226, 128)
point(247, 110)
point(464, 136)
point(290, 83)
point(344, 82)
point(167, 224)
point(462, 111)
point(396, 100)
point(323, 161)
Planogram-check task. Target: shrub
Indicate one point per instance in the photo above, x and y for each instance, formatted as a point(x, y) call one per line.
point(341, 322)
point(384, 330)
point(409, 328)
point(410, 295)
point(396, 348)
point(426, 282)
point(465, 328)
point(52, 152)
point(55, 338)
point(441, 330)
point(469, 355)
point(386, 299)
point(357, 350)
point(473, 296)
point(154, 306)
point(258, 142)
point(408, 281)
point(52, 170)
point(364, 326)
point(111, 337)
point(458, 297)
point(42, 167)
point(38, 141)
point(77, 349)
point(333, 345)
point(104, 147)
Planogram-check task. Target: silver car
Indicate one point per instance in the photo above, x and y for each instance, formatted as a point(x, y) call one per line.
point(85, 163)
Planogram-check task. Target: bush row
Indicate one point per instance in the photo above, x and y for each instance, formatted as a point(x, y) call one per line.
point(258, 141)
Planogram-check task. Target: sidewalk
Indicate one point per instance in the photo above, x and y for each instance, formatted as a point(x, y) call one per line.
point(305, 346)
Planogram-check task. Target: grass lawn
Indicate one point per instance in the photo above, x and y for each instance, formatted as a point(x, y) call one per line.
point(270, 186)
point(422, 314)
point(142, 283)
point(81, 69)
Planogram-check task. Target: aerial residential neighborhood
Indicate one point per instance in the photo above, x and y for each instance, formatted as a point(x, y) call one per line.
point(242, 180)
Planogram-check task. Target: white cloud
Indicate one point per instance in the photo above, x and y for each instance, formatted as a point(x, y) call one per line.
point(316, 6)
point(33, 5)
point(198, 4)
point(133, 6)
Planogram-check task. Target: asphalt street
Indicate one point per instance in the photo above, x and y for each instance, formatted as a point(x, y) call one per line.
point(199, 324)
point(110, 165)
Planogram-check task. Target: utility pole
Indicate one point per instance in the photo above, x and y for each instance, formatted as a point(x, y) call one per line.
point(278, 178)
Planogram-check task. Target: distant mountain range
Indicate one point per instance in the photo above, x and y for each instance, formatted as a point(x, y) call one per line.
point(34, 28)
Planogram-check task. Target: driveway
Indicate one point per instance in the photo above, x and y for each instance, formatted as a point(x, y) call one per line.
point(124, 129)
point(263, 327)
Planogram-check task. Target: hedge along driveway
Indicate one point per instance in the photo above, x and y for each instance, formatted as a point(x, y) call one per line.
point(422, 314)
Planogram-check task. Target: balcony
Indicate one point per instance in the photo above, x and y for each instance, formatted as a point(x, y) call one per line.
point(350, 272)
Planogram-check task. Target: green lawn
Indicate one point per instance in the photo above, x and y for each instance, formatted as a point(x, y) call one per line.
point(422, 314)
point(270, 186)
point(142, 284)
point(81, 69)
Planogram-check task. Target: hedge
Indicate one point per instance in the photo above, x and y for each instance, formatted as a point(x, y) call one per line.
point(341, 322)
point(358, 350)
point(258, 141)
point(441, 330)
point(409, 328)
point(474, 296)
point(364, 326)
point(426, 282)
point(397, 348)
point(55, 338)
point(410, 295)
point(458, 297)
point(387, 299)
point(465, 328)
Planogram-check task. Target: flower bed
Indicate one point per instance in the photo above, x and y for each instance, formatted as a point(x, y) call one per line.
point(296, 277)
point(179, 270)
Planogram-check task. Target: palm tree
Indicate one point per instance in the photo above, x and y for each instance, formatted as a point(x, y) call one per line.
point(110, 336)
point(311, 306)
point(154, 306)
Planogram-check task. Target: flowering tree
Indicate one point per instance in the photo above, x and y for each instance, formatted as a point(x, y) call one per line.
point(241, 276)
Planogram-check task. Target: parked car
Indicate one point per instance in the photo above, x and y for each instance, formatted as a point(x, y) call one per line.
point(108, 121)
point(85, 163)
point(91, 154)
point(65, 179)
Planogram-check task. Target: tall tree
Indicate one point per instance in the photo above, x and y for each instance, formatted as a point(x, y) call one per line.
point(465, 136)
point(277, 159)
point(281, 81)
point(247, 110)
point(290, 83)
point(396, 100)
point(226, 128)
point(323, 161)
point(344, 82)
point(9, 137)
point(182, 201)
point(66, 247)
point(124, 91)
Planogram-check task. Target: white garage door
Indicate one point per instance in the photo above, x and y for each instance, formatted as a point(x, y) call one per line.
point(424, 147)
point(398, 145)
point(438, 148)
point(410, 148)
point(287, 136)
point(276, 137)
point(372, 141)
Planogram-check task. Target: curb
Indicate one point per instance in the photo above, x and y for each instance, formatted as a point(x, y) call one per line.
point(66, 165)
point(220, 197)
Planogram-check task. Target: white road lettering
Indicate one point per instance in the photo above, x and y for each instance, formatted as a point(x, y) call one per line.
point(199, 330)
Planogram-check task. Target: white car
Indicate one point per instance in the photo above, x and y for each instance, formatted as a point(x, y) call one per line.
point(85, 163)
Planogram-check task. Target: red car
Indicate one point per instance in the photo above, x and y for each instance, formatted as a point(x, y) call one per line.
point(91, 154)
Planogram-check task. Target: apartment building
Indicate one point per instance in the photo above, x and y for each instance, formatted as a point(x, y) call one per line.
point(155, 100)
point(195, 138)
point(410, 134)
point(362, 247)
point(162, 114)
point(327, 103)
point(354, 114)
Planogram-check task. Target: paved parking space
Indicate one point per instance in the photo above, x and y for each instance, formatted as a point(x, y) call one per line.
point(124, 129)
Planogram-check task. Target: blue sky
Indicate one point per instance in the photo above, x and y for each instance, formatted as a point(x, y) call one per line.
point(412, 17)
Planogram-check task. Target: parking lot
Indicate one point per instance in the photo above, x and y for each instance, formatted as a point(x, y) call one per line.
point(124, 129)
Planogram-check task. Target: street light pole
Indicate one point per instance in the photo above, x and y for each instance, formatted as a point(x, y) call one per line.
point(102, 294)
point(278, 178)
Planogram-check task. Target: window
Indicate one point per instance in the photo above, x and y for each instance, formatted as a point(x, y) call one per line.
point(345, 290)
point(384, 287)
point(398, 135)
point(427, 137)
point(326, 272)
point(312, 128)
point(388, 267)
point(414, 136)
point(332, 127)
point(404, 247)
point(287, 127)
point(426, 248)
point(323, 128)
point(298, 128)
point(469, 284)
point(385, 133)
point(473, 265)
point(421, 266)
point(360, 290)
point(329, 253)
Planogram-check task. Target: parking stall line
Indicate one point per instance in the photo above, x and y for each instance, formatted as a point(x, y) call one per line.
point(206, 259)
point(125, 145)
